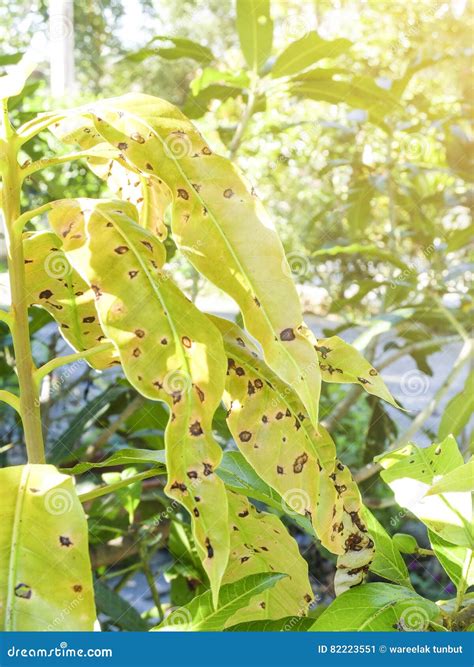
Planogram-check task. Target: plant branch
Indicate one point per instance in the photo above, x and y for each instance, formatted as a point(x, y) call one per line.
point(10, 399)
point(246, 116)
point(44, 163)
point(105, 489)
point(51, 365)
point(6, 318)
point(21, 221)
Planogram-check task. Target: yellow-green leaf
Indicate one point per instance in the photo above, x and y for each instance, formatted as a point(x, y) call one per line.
point(255, 29)
point(411, 472)
point(259, 542)
point(341, 362)
point(45, 572)
point(221, 227)
point(273, 432)
point(53, 284)
point(168, 349)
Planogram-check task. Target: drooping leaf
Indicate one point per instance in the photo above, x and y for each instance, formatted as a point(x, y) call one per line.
point(410, 472)
point(458, 562)
point(388, 562)
point(306, 51)
point(168, 349)
point(12, 83)
point(45, 581)
point(365, 251)
point(209, 195)
point(199, 615)
point(255, 30)
point(53, 284)
point(341, 362)
point(458, 411)
point(172, 48)
point(122, 457)
point(273, 432)
point(377, 608)
point(259, 542)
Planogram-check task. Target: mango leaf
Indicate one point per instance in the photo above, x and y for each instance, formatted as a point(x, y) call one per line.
point(118, 609)
point(306, 51)
point(410, 472)
point(128, 495)
point(199, 615)
point(168, 349)
point(377, 608)
point(341, 362)
point(285, 624)
point(54, 285)
point(13, 82)
point(458, 562)
point(388, 562)
point(209, 195)
point(273, 432)
point(459, 479)
point(255, 30)
point(122, 457)
point(259, 542)
point(458, 411)
point(371, 251)
point(172, 48)
point(45, 581)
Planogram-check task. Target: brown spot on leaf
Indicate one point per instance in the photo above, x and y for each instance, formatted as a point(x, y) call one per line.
point(139, 333)
point(195, 428)
point(183, 193)
point(228, 193)
point(280, 470)
point(45, 294)
point(245, 436)
point(121, 250)
point(287, 334)
point(299, 463)
point(210, 550)
point(207, 469)
point(136, 136)
point(186, 341)
point(88, 320)
point(23, 591)
point(64, 541)
point(122, 146)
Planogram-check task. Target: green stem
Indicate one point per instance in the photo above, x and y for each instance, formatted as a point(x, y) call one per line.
point(44, 163)
point(10, 399)
point(105, 489)
point(29, 397)
point(6, 318)
point(21, 221)
point(33, 127)
point(51, 365)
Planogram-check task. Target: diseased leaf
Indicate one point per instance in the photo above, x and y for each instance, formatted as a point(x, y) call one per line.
point(306, 51)
point(341, 362)
point(255, 29)
point(45, 581)
point(168, 349)
point(209, 195)
point(199, 615)
point(259, 542)
point(172, 48)
point(388, 562)
point(273, 432)
point(410, 472)
point(377, 608)
point(53, 284)
point(457, 480)
point(285, 624)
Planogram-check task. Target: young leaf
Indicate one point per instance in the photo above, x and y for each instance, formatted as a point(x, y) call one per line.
point(272, 430)
point(377, 608)
point(255, 29)
point(388, 562)
point(341, 362)
point(53, 284)
point(410, 473)
point(172, 48)
point(45, 566)
point(168, 349)
point(458, 562)
point(259, 542)
point(306, 51)
point(457, 480)
point(199, 615)
point(122, 457)
point(209, 195)
point(458, 411)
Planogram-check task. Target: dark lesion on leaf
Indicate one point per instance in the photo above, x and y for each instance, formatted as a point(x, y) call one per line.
point(64, 541)
point(183, 194)
point(245, 436)
point(207, 469)
point(210, 550)
point(287, 334)
point(195, 428)
point(300, 462)
point(179, 486)
point(121, 249)
point(23, 591)
point(280, 470)
point(364, 380)
point(323, 350)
